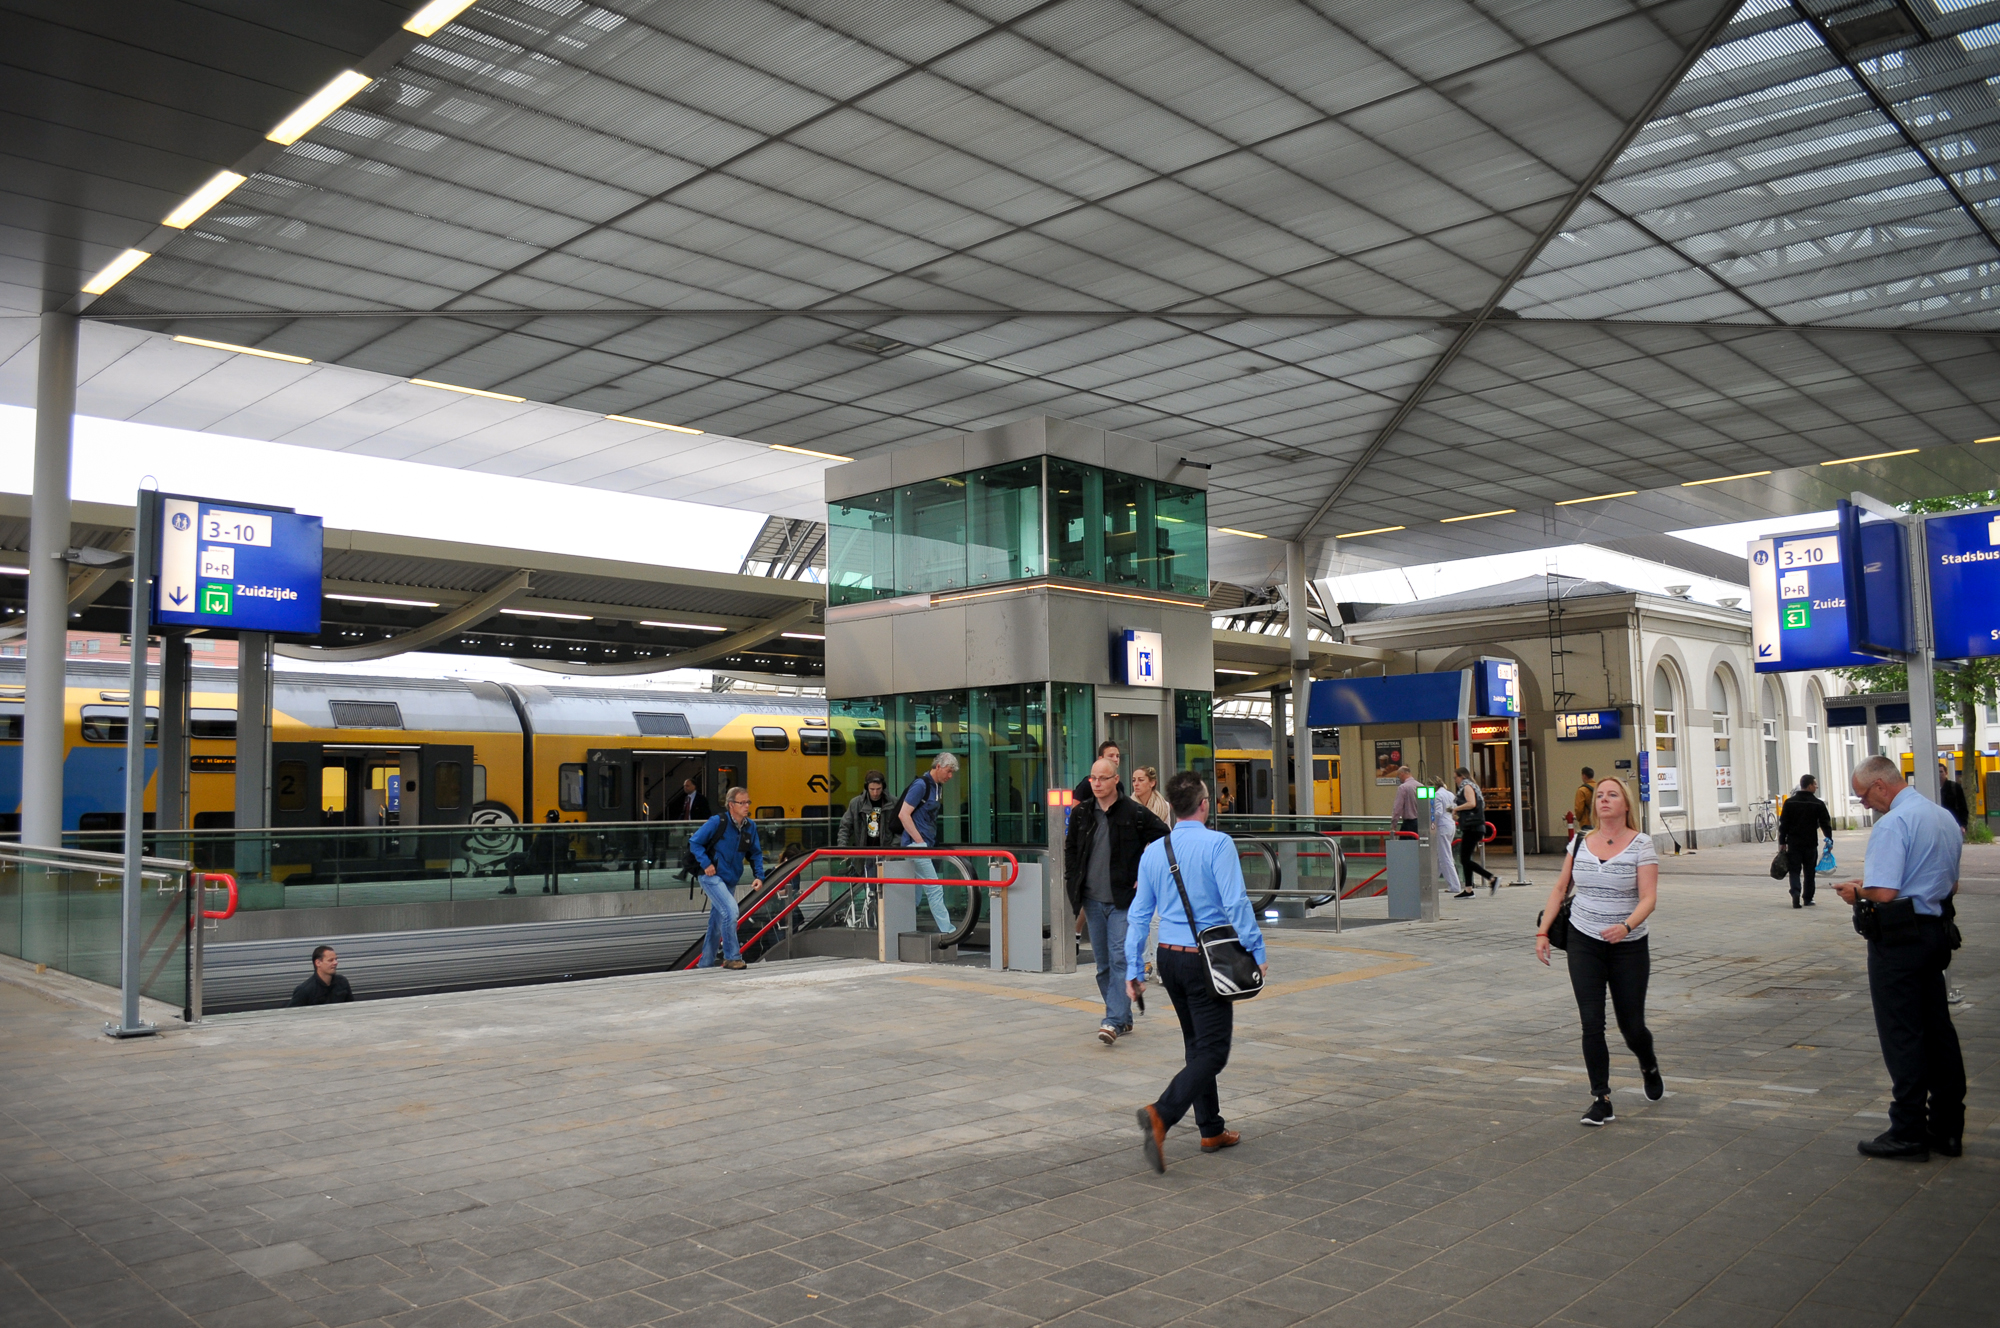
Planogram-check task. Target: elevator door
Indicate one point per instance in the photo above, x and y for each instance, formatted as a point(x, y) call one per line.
point(1138, 739)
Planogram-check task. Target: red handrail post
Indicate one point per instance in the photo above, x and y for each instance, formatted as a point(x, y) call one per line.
point(228, 882)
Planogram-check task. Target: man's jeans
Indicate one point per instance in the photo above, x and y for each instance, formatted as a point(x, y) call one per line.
point(933, 894)
point(1107, 942)
point(721, 921)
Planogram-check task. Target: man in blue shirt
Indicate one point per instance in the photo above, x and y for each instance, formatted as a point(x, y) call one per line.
point(720, 847)
point(1908, 879)
point(922, 804)
point(1213, 877)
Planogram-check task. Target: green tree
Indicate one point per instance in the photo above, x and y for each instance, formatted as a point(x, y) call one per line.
point(1962, 685)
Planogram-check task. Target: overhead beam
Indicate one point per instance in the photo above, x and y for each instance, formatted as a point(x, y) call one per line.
point(748, 639)
point(1577, 197)
point(429, 634)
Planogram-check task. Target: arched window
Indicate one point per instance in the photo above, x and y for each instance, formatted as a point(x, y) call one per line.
point(1773, 725)
point(1666, 742)
point(1815, 717)
point(1721, 717)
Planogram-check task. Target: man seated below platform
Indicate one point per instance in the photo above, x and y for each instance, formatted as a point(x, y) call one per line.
point(325, 986)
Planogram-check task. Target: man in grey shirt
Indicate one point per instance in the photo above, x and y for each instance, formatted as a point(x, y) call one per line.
point(1100, 872)
point(1403, 816)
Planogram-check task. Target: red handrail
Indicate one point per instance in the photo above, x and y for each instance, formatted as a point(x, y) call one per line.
point(1000, 854)
point(202, 879)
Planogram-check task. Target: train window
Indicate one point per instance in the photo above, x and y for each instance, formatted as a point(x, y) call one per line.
point(813, 809)
point(1322, 769)
point(290, 786)
point(770, 813)
point(10, 723)
point(871, 742)
point(662, 724)
point(366, 714)
point(569, 788)
point(771, 740)
point(478, 784)
point(212, 724)
point(610, 788)
point(448, 786)
point(103, 723)
point(822, 742)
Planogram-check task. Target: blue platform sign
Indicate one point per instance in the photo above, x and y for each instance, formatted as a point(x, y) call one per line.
point(1588, 725)
point(1964, 552)
point(1645, 777)
point(1798, 604)
point(237, 567)
point(1496, 686)
point(1400, 698)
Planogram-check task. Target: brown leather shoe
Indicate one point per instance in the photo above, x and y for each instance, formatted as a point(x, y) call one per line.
point(734, 963)
point(1215, 1143)
point(1154, 1137)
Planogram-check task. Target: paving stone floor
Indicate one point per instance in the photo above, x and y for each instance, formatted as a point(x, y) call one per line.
point(842, 1143)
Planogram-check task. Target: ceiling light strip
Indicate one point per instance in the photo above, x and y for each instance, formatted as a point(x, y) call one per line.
point(115, 271)
point(1596, 498)
point(1724, 479)
point(542, 613)
point(318, 106)
point(807, 451)
point(1872, 456)
point(1995, 439)
point(1379, 530)
point(1241, 534)
point(201, 200)
point(686, 627)
point(652, 424)
point(380, 599)
point(435, 15)
point(469, 391)
point(242, 350)
point(1476, 516)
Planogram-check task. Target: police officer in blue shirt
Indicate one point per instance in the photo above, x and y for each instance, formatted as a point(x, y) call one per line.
point(1903, 905)
point(1213, 875)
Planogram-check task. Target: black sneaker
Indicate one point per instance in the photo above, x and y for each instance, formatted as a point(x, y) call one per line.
point(1888, 1145)
point(1656, 1087)
point(1600, 1112)
point(1951, 1145)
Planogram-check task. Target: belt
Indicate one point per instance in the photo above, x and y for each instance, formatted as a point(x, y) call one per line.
point(1181, 949)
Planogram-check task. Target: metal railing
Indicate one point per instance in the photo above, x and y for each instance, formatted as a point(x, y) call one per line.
point(65, 908)
point(1267, 845)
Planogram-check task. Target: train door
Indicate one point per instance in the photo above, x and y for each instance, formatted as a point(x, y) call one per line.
point(1326, 785)
point(295, 785)
point(660, 776)
point(726, 770)
point(607, 785)
point(444, 783)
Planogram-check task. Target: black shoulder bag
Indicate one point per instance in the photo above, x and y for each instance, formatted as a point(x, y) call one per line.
point(1559, 928)
point(1232, 970)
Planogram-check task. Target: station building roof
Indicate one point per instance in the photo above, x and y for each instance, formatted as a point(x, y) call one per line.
point(1442, 277)
point(387, 593)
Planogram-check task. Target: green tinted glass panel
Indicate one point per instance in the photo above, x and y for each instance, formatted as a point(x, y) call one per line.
point(1181, 539)
point(1129, 557)
point(1076, 521)
point(1005, 503)
point(1194, 733)
point(930, 536)
point(860, 549)
point(1000, 793)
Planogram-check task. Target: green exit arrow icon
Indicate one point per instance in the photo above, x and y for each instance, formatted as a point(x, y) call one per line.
point(1798, 615)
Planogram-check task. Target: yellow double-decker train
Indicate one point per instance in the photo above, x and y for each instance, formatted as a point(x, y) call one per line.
point(369, 751)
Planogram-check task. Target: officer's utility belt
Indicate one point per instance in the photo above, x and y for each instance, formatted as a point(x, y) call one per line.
point(1898, 922)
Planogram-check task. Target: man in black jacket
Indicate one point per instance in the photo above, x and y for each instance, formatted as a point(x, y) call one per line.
point(325, 986)
point(1799, 828)
point(1101, 872)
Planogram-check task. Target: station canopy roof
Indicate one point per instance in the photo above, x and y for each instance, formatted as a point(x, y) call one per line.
point(1382, 263)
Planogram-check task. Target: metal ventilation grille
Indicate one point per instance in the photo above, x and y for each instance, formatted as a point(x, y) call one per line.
point(366, 714)
point(662, 724)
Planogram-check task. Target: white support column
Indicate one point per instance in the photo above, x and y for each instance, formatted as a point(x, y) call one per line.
point(253, 748)
point(1302, 751)
point(48, 584)
point(131, 894)
point(1923, 683)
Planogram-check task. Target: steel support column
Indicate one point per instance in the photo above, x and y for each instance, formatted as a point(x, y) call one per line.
point(131, 938)
point(1302, 749)
point(48, 584)
point(253, 749)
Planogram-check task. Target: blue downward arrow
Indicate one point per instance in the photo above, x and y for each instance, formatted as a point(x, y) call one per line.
point(178, 596)
point(1763, 652)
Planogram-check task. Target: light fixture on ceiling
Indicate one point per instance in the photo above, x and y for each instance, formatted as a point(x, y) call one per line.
point(13, 571)
point(1730, 601)
point(435, 15)
point(807, 451)
point(318, 106)
point(1379, 530)
point(1995, 439)
point(651, 424)
point(469, 391)
point(1475, 516)
point(381, 599)
point(202, 199)
point(543, 613)
point(1872, 456)
point(686, 627)
point(1724, 479)
point(803, 636)
point(115, 271)
point(1244, 534)
point(1240, 673)
point(1596, 498)
point(243, 350)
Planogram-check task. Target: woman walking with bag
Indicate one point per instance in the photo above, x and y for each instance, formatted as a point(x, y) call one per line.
point(1608, 887)
point(1472, 831)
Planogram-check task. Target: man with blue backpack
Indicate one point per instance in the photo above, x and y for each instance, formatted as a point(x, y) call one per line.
point(719, 849)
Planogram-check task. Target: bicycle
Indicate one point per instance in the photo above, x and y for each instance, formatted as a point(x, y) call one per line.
point(1764, 820)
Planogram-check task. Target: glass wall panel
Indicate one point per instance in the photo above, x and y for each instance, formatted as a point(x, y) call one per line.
point(1075, 733)
point(1006, 510)
point(860, 549)
point(1181, 540)
point(1076, 521)
point(865, 747)
point(1000, 792)
point(930, 536)
point(1194, 735)
point(1130, 558)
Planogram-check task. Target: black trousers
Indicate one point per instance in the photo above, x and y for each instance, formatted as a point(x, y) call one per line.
point(1594, 965)
point(1913, 1020)
point(1207, 1022)
point(1408, 826)
point(1804, 864)
point(1468, 843)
